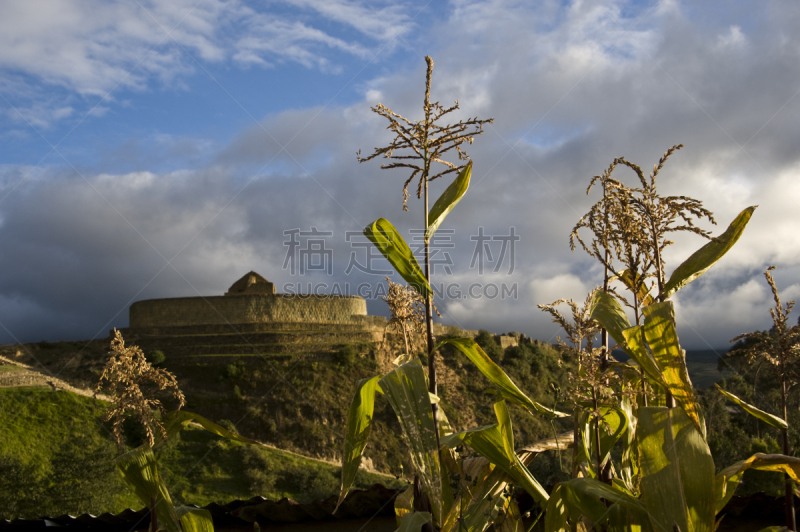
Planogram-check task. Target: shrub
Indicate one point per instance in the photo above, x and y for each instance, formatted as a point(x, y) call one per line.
point(156, 358)
point(346, 356)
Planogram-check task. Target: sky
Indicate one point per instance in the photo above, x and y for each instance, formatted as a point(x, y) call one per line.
point(164, 148)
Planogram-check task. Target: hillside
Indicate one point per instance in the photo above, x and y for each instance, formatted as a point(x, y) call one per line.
point(295, 398)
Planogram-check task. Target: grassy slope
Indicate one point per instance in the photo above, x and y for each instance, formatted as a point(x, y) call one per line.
point(298, 401)
point(56, 457)
point(295, 401)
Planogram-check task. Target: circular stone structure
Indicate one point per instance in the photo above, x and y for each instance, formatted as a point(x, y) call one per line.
point(251, 299)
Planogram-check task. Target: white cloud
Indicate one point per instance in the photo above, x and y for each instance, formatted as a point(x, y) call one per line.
point(93, 47)
point(599, 80)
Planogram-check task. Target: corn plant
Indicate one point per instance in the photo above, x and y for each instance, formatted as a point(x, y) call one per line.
point(125, 373)
point(433, 502)
point(669, 484)
point(780, 349)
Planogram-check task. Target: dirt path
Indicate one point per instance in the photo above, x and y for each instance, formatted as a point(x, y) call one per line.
point(25, 375)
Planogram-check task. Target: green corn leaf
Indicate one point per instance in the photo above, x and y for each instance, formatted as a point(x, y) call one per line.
point(661, 336)
point(637, 350)
point(496, 444)
point(581, 497)
point(766, 417)
point(510, 518)
point(705, 257)
point(140, 471)
point(413, 521)
point(392, 246)
point(678, 471)
point(642, 295)
point(448, 200)
point(607, 311)
point(475, 508)
point(359, 422)
point(616, 420)
point(195, 519)
point(404, 503)
point(179, 419)
point(726, 481)
point(497, 376)
point(406, 389)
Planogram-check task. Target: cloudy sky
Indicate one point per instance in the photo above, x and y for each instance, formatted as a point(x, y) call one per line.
point(163, 148)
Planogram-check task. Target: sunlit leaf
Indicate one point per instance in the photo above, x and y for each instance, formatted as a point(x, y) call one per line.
point(448, 200)
point(140, 471)
point(407, 391)
point(608, 312)
point(661, 336)
point(497, 376)
point(705, 257)
point(392, 246)
point(195, 519)
point(616, 421)
point(359, 422)
point(678, 471)
point(642, 295)
point(496, 444)
point(728, 479)
point(766, 417)
point(637, 350)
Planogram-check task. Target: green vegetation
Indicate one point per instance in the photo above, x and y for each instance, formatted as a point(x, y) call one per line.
point(56, 457)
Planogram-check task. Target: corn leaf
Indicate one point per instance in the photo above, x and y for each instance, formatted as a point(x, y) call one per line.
point(678, 471)
point(661, 336)
point(359, 422)
point(448, 200)
point(412, 522)
point(404, 503)
point(140, 471)
point(637, 350)
point(509, 519)
point(505, 386)
point(642, 295)
point(195, 519)
point(607, 311)
point(581, 497)
point(475, 509)
point(615, 420)
point(392, 246)
point(407, 391)
point(496, 444)
point(179, 419)
point(766, 417)
point(705, 257)
point(726, 481)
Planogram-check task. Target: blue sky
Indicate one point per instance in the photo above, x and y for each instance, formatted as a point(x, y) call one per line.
point(162, 148)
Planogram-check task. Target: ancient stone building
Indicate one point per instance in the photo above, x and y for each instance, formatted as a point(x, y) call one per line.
point(251, 300)
point(252, 318)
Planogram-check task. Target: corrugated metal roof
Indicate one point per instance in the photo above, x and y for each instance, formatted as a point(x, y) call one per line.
point(377, 501)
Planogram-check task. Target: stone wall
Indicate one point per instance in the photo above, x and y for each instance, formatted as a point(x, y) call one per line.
point(221, 310)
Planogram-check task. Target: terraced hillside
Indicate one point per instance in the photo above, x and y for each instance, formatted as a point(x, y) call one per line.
point(290, 385)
